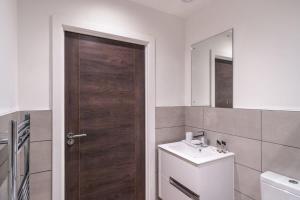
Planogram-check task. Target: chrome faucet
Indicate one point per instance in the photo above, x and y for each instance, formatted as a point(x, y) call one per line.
point(201, 136)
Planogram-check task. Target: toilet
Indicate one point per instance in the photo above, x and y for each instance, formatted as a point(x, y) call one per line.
point(278, 187)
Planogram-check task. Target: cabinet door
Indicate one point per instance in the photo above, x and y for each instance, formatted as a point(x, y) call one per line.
point(180, 170)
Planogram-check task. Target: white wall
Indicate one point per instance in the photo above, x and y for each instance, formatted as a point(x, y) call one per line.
point(266, 49)
point(34, 44)
point(8, 56)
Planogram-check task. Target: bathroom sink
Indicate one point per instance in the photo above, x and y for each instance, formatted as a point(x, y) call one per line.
point(194, 155)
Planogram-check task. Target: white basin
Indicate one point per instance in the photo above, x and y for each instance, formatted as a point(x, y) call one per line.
point(194, 155)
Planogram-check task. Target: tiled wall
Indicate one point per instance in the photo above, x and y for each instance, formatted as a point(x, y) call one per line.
point(41, 155)
point(261, 140)
point(41, 147)
point(170, 124)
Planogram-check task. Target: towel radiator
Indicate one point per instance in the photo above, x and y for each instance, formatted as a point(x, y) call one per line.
point(18, 142)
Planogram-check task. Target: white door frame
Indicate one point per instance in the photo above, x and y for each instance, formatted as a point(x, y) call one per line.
point(64, 23)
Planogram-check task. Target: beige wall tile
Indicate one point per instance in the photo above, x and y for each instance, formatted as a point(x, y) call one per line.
point(4, 122)
point(213, 137)
point(240, 196)
point(167, 135)
point(281, 159)
point(247, 181)
point(281, 127)
point(41, 125)
point(194, 116)
point(248, 123)
point(40, 158)
point(219, 119)
point(40, 186)
point(3, 172)
point(241, 122)
point(169, 116)
point(4, 190)
point(247, 151)
point(3, 153)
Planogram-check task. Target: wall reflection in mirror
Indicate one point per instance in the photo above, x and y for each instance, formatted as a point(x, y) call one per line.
point(212, 71)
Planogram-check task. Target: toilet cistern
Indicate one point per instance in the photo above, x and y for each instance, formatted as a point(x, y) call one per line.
point(277, 187)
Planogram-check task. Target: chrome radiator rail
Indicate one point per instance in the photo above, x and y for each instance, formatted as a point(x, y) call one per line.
point(19, 142)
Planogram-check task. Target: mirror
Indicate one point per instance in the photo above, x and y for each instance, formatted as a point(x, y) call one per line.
point(212, 71)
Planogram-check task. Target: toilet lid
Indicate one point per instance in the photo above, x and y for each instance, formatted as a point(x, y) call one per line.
point(281, 182)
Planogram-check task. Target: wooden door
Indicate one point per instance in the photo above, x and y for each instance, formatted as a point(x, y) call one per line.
point(223, 83)
point(105, 99)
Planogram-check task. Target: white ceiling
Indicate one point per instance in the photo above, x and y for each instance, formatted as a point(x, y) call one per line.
point(175, 7)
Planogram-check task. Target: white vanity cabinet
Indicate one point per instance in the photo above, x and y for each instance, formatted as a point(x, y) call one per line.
point(182, 178)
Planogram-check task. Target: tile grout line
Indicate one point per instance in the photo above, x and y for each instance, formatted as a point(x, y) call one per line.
point(41, 172)
point(169, 127)
point(242, 165)
point(169, 107)
point(203, 117)
point(243, 194)
point(40, 141)
point(263, 141)
point(3, 163)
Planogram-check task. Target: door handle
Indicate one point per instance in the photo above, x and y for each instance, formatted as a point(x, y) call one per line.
point(71, 138)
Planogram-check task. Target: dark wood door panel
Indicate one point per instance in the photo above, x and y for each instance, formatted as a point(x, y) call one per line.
point(108, 144)
point(108, 53)
point(108, 104)
point(223, 83)
point(108, 117)
point(108, 161)
point(101, 67)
